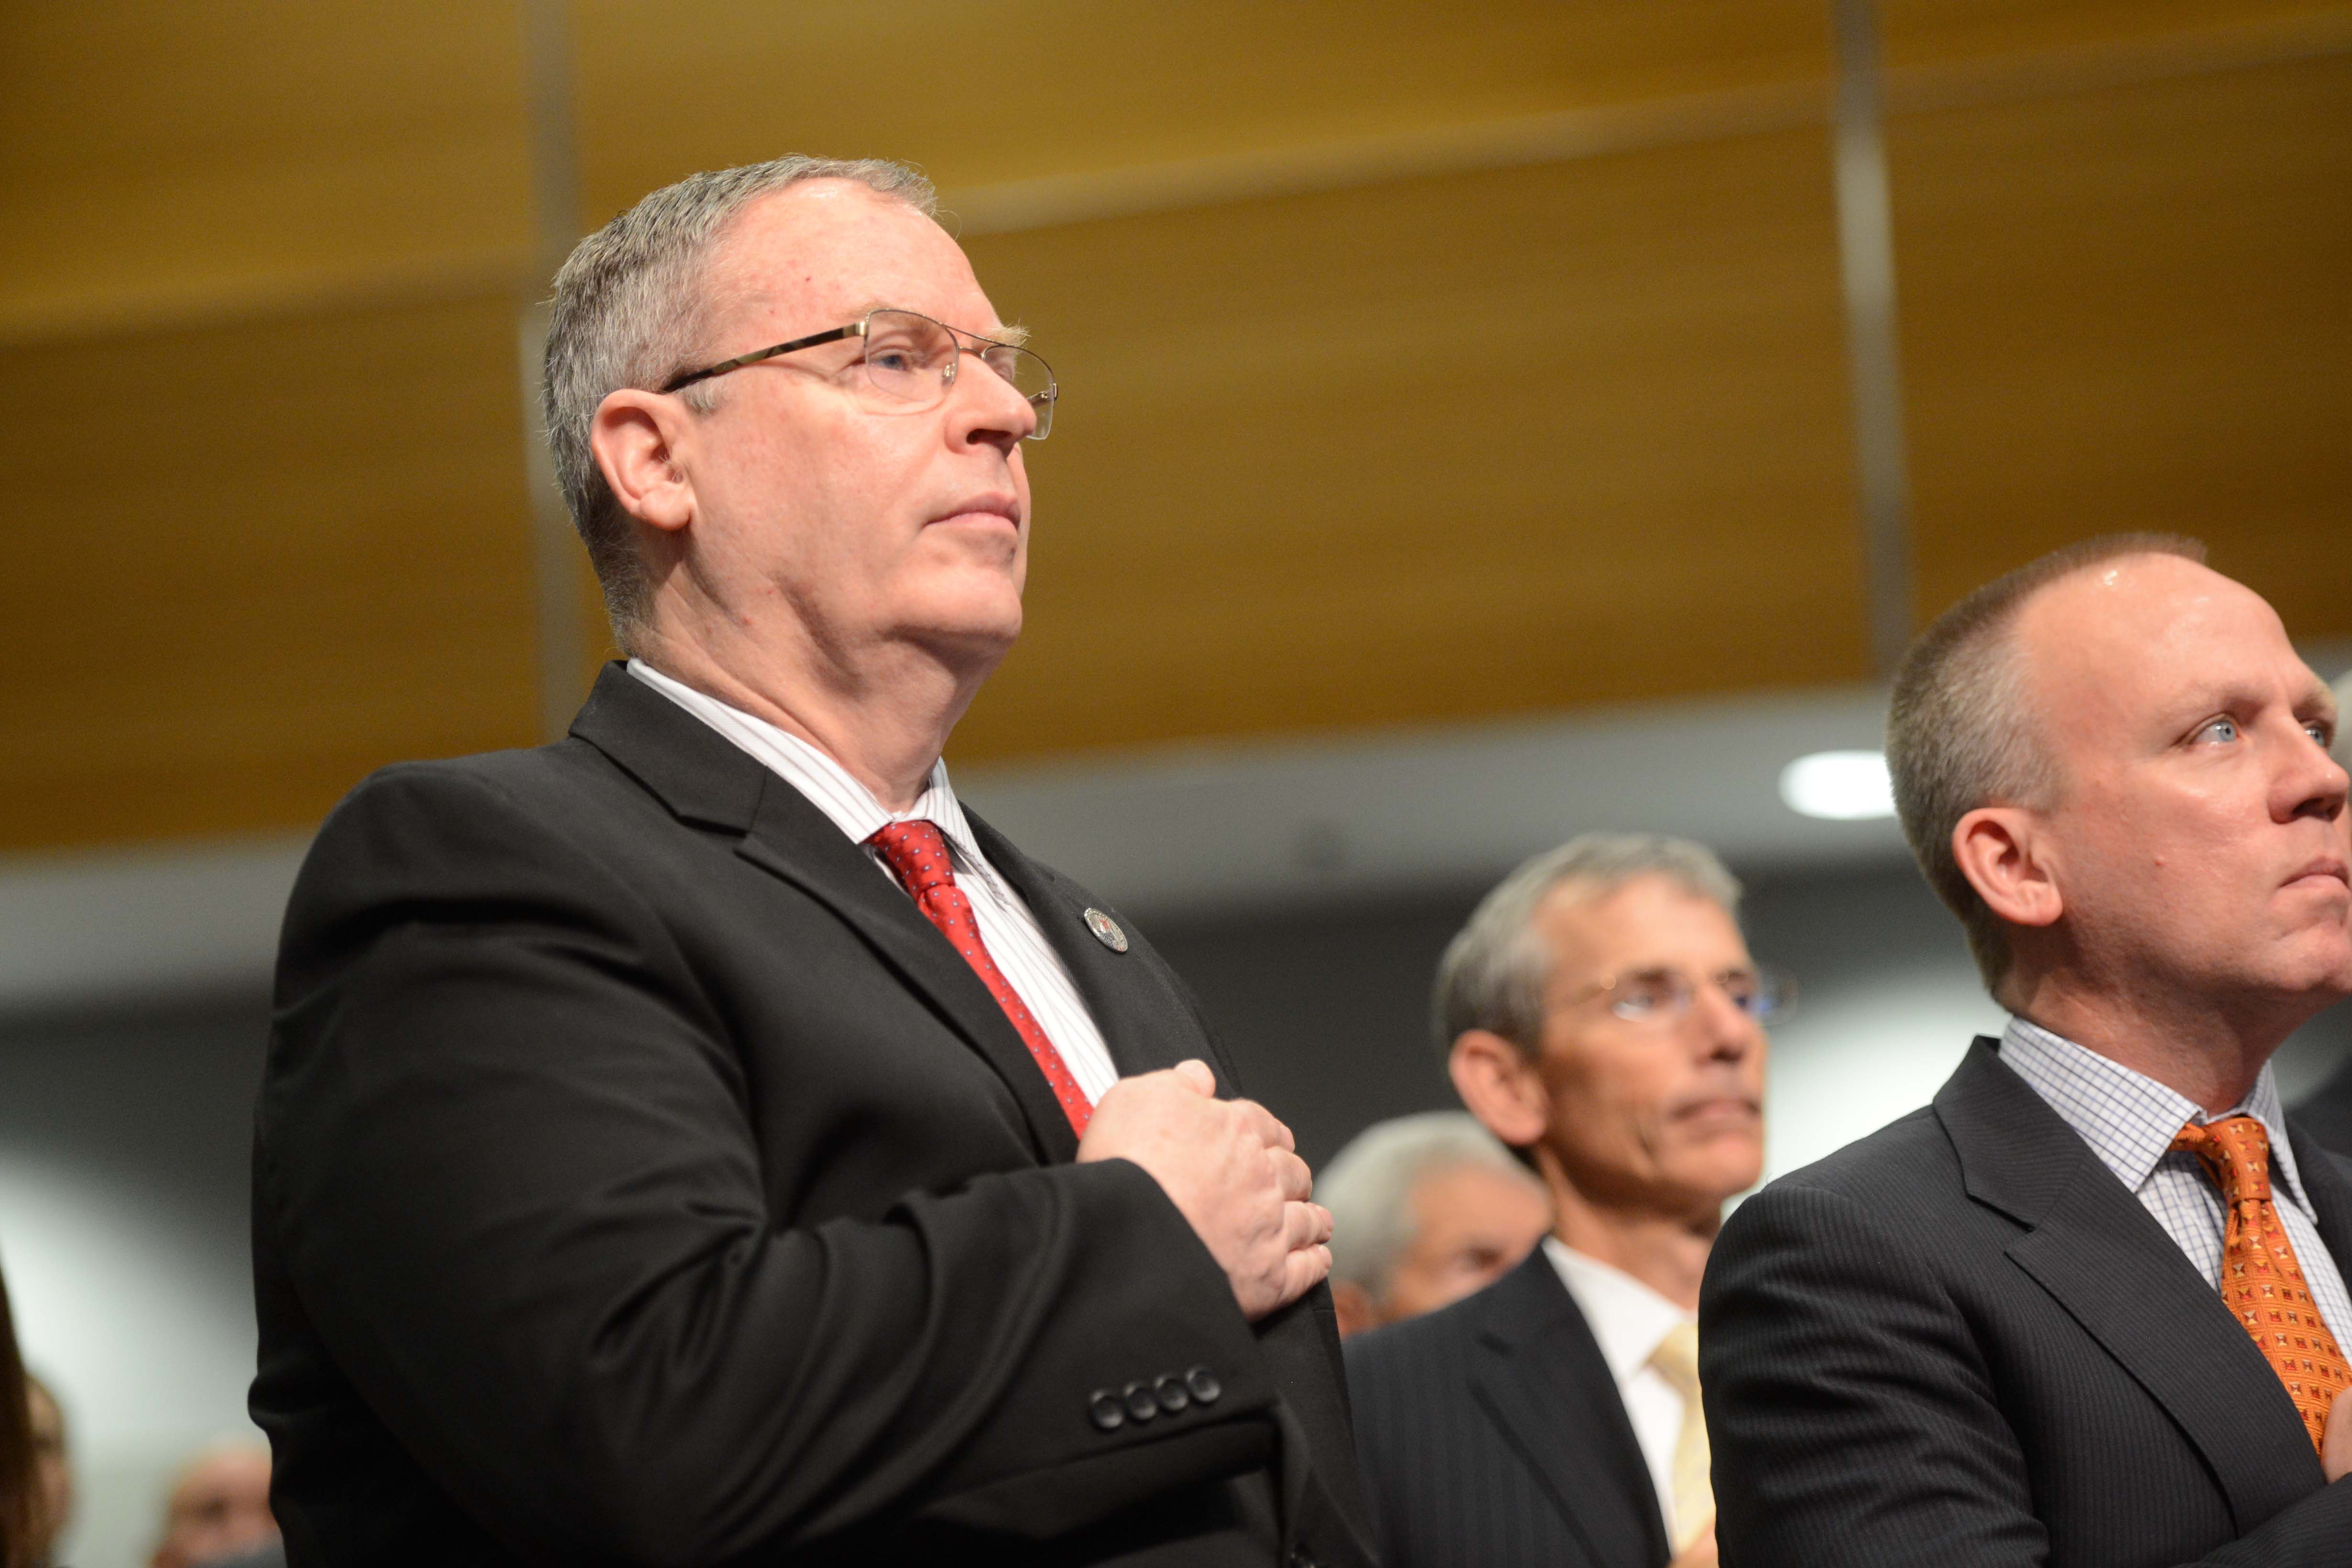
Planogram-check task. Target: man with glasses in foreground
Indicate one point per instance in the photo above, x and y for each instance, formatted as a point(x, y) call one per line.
point(1601, 1017)
point(701, 1140)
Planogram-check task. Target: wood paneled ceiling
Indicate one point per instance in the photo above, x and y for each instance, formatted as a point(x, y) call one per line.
point(1420, 365)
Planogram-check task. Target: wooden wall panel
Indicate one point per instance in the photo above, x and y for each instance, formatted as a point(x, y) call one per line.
point(1421, 449)
point(1466, 447)
point(1931, 34)
point(248, 564)
point(983, 93)
point(163, 163)
point(2129, 310)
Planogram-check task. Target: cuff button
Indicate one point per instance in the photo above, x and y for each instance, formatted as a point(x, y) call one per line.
point(1205, 1386)
point(1141, 1406)
point(1171, 1393)
point(1106, 1409)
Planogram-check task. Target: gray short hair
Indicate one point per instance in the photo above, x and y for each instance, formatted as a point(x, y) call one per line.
point(1962, 730)
point(1494, 974)
point(1369, 1184)
point(629, 311)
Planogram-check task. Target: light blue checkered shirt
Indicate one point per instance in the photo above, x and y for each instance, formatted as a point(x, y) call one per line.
point(2129, 1119)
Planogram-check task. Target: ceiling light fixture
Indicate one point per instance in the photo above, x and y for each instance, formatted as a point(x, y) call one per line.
point(1839, 786)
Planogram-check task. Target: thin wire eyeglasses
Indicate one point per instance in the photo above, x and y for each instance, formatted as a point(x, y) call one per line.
point(1666, 995)
point(911, 360)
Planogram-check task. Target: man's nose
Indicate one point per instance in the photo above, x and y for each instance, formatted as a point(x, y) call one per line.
point(2311, 784)
point(985, 407)
point(1727, 1028)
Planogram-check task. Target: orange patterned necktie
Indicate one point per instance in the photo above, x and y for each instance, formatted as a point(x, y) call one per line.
point(2260, 1281)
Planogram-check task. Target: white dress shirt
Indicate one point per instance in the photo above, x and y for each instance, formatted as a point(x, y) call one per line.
point(2129, 1119)
point(1007, 925)
point(1629, 1318)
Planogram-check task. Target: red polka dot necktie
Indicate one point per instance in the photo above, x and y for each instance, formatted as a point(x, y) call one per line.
point(918, 856)
point(2260, 1281)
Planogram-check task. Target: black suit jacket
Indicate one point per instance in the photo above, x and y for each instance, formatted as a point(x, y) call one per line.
point(1962, 1341)
point(1492, 1434)
point(2326, 1113)
point(640, 1178)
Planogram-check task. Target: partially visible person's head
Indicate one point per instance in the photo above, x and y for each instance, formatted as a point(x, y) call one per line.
point(1424, 1210)
point(52, 1467)
point(2114, 766)
point(1601, 1013)
point(20, 1507)
point(218, 1506)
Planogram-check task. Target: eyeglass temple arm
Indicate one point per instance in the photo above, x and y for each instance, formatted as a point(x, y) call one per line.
point(855, 329)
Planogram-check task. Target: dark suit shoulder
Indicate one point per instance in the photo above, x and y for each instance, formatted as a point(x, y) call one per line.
point(1415, 1345)
point(1905, 1150)
point(468, 837)
point(2327, 1115)
point(534, 779)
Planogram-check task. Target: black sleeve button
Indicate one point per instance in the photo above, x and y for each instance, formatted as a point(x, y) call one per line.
point(1171, 1393)
point(1205, 1386)
point(1140, 1402)
point(1105, 1407)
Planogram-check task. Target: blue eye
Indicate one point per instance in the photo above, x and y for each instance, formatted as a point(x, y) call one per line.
point(2220, 729)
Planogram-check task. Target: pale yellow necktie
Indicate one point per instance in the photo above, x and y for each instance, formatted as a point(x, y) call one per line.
point(1676, 1359)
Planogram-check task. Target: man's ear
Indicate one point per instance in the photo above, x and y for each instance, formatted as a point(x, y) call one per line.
point(2006, 860)
point(1500, 1085)
point(633, 436)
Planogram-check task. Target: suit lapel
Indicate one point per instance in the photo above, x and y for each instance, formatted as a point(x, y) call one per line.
point(1538, 1373)
point(2330, 1191)
point(703, 777)
point(1142, 1025)
point(2093, 1246)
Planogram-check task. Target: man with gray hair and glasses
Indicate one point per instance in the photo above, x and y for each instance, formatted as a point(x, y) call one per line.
point(2088, 1308)
point(1424, 1210)
point(1600, 1016)
point(702, 1140)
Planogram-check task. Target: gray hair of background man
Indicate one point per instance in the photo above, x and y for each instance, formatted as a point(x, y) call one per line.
point(1368, 1188)
point(1494, 974)
point(630, 309)
point(1961, 732)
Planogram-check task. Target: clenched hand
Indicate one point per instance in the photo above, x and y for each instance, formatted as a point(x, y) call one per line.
point(1233, 1174)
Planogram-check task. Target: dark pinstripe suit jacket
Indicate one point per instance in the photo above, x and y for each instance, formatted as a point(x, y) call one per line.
point(2327, 1114)
point(1962, 1341)
point(1492, 1435)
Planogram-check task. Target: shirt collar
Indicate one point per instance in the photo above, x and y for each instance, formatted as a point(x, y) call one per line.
point(830, 787)
point(2127, 1117)
point(1628, 1319)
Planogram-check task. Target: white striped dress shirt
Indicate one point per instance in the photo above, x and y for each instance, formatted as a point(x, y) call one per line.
point(1007, 925)
point(2129, 1119)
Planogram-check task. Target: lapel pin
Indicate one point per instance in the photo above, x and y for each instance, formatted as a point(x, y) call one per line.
point(1105, 931)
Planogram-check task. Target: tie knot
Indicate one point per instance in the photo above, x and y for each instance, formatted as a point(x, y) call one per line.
point(916, 855)
point(2237, 1151)
point(1676, 1359)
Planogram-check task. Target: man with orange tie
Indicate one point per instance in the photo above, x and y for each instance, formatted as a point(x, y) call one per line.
point(2089, 1307)
point(704, 1140)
